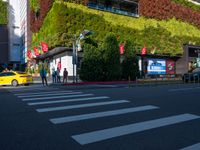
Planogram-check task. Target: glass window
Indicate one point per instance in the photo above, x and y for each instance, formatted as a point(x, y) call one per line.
point(3, 74)
point(10, 74)
point(19, 72)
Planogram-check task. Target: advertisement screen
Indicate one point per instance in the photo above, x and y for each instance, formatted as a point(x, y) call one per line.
point(156, 66)
point(170, 67)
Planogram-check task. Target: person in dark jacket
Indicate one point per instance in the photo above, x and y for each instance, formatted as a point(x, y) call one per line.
point(43, 75)
point(65, 75)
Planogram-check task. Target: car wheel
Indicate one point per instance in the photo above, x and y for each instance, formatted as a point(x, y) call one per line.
point(14, 83)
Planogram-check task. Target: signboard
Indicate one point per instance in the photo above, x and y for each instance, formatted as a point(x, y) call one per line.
point(198, 62)
point(156, 66)
point(170, 67)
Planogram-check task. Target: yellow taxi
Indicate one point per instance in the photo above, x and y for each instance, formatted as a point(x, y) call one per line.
point(15, 78)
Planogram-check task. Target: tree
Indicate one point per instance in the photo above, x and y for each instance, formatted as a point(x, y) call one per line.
point(130, 62)
point(101, 63)
point(92, 67)
point(111, 56)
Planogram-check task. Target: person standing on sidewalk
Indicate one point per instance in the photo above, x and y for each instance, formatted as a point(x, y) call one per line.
point(65, 75)
point(43, 75)
point(58, 75)
point(53, 75)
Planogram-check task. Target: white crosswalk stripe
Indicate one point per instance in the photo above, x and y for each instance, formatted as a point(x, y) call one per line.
point(80, 106)
point(192, 147)
point(96, 136)
point(31, 89)
point(68, 100)
point(54, 97)
point(53, 94)
point(38, 93)
point(101, 114)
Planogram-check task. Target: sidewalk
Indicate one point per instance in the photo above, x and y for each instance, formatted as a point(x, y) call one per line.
point(158, 81)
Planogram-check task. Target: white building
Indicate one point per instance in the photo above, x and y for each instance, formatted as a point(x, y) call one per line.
point(19, 31)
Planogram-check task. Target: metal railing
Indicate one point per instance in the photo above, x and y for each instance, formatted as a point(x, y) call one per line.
point(112, 9)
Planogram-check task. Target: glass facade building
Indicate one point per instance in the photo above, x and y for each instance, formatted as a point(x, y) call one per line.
point(124, 7)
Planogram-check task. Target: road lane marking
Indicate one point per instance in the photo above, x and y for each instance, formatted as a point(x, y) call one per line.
point(100, 135)
point(53, 94)
point(54, 97)
point(192, 147)
point(101, 114)
point(68, 100)
point(183, 89)
point(37, 93)
point(80, 106)
point(30, 89)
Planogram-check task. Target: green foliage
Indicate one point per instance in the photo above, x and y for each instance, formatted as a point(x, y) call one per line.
point(35, 6)
point(66, 19)
point(188, 4)
point(3, 12)
point(93, 65)
point(111, 56)
point(102, 63)
point(130, 63)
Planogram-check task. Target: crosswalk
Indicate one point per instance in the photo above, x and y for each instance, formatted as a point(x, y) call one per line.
point(50, 99)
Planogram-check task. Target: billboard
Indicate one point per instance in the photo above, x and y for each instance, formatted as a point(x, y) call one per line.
point(170, 66)
point(156, 66)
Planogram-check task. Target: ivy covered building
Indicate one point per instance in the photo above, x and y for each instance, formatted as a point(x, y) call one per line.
point(163, 26)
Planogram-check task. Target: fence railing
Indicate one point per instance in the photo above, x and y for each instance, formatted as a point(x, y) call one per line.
point(112, 9)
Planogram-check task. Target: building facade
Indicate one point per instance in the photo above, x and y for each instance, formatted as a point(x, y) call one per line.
point(3, 45)
point(19, 35)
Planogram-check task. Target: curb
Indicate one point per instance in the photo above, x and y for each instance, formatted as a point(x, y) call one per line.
point(103, 83)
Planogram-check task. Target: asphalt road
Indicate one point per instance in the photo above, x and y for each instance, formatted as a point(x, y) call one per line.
point(100, 117)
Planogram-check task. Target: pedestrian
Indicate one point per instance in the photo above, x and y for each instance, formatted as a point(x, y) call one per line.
point(65, 75)
point(58, 75)
point(53, 75)
point(43, 75)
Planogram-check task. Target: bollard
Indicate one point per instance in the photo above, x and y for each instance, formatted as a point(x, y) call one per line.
point(129, 82)
point(189, 80)
point(184, 81)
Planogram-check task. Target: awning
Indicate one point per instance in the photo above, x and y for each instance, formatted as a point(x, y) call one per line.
point(53, 52)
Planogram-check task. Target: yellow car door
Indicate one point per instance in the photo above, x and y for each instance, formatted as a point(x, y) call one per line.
point(9, 77)
point(2, 78)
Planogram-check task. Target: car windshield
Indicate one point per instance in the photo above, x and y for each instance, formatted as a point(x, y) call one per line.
point(20, 72)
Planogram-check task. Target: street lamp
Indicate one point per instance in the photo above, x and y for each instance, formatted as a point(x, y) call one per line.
point(76, 43)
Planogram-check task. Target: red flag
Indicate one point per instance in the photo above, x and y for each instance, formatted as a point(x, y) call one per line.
point(59, 65)
point(44, 47)
point(29, 54)
point(121, 47)
point(144, 51)
point(36, 51)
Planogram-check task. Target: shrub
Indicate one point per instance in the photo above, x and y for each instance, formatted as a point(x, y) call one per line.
point(130, 63)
